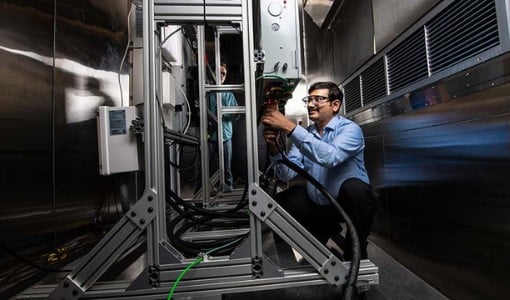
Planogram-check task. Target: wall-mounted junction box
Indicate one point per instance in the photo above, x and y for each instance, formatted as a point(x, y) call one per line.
point(118, 150)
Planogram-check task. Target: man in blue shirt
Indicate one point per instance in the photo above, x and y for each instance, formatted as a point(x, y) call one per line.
point(227, 99)
point(330, 150)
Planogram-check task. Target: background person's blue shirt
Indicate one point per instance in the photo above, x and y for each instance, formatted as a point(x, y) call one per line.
point(331, 159)
point(227, 99)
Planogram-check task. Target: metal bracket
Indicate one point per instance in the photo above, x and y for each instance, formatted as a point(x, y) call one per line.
point(154, 276)
point(282, 223)
point(259, 55)
point(143, 212)
point(105, 253)
point(261, 206)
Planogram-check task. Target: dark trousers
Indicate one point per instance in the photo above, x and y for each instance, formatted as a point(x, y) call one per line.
point(355, 197)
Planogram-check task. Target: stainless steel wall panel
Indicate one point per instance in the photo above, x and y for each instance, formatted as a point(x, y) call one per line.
point(441, 174)
point(315, 53)
point(392, 17)
point(334, 53)
point(25, 124)
point(444, 194)
point(51, 188)
point(353, 34)
point(438, 149)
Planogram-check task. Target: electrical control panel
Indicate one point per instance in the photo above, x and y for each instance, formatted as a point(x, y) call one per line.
point(280, 37)
point(118, 150)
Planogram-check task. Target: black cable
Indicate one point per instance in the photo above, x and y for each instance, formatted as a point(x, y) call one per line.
point(200, 220)
point(203, 211)
point(205, 19)
point(161, 111)
point(207, 244)
point(197, 216)
point(194, 248)
point(192, 161)
point(176, 242)
point(227, 223)
point(275, 68)
point(119, 215)
point(352, 275)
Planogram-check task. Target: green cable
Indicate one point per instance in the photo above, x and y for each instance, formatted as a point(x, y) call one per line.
point(191, 265)
point(199, 259)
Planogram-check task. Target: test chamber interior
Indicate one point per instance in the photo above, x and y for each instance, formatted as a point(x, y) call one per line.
point(244, 269)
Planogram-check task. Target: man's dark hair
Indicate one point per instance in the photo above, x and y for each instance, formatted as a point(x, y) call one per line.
point(334, 90)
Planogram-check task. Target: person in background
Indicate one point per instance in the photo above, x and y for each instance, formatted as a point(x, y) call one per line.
point(332, 151)
point(227, 99)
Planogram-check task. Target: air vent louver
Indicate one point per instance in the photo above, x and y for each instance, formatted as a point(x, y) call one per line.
point(352, 95)
point(373, 82)
point(462, 30)
point(459, 35)
point(407, 63)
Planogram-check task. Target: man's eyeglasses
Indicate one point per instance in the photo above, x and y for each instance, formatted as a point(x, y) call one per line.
point(315, 99)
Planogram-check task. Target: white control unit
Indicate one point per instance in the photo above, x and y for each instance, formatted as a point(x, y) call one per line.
point(280, 37)
point(118, 150)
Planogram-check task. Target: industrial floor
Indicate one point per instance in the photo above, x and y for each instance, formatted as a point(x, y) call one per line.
point(395, 283)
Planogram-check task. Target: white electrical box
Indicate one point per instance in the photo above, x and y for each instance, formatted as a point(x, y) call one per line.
point(118, 150)
point(280, 37)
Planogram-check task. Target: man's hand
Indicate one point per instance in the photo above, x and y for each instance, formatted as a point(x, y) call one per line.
point(271, 137)
point(276, 120)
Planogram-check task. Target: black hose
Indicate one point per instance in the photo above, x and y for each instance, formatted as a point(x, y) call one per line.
point(230, 213)
point(352, 275)
point(198, 216)
point(194, 248)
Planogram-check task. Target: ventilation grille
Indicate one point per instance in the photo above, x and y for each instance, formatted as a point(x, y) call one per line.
point(460, 31)
point(407, 63)
point(463, 29)
point(373, 82)
point(352, 93)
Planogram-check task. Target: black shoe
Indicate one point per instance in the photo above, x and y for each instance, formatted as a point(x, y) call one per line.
point(337, 253)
